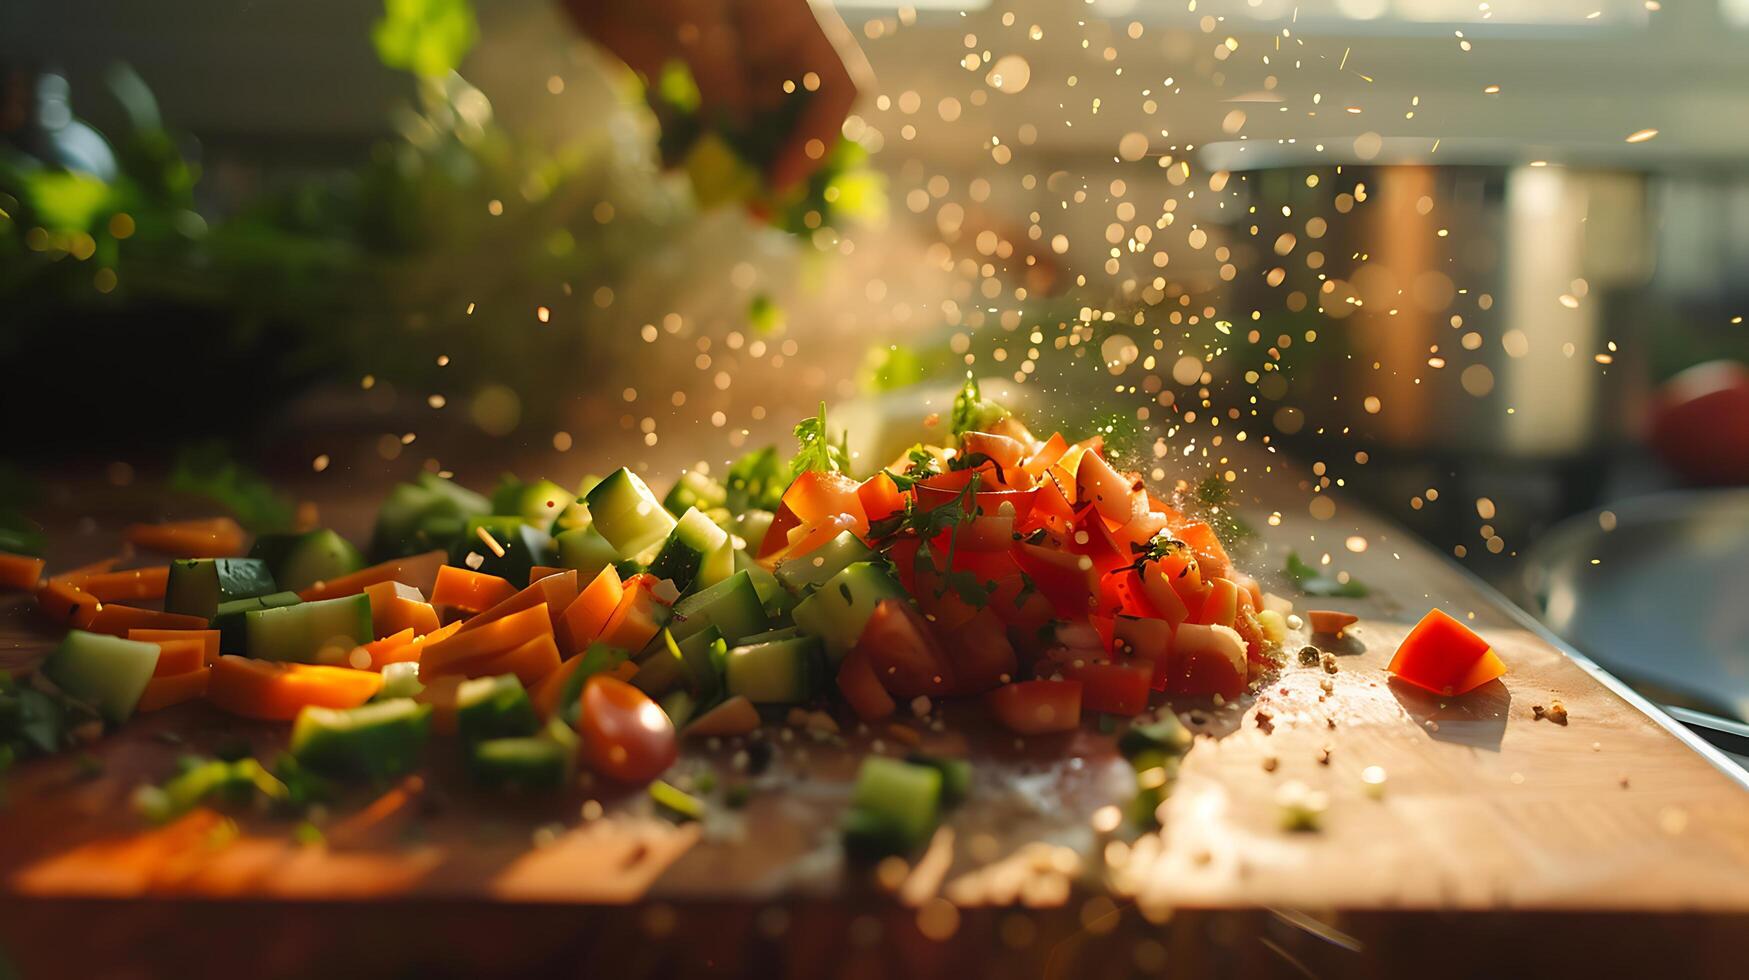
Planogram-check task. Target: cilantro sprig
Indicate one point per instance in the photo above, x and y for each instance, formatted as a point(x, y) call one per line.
point(922, 466)
point(815, 449)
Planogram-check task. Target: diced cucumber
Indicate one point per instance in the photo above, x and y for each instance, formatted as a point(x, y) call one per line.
point(732, 606)
point(106, 672)
point(750, 526)
point(524, 546)
point(718, 565)
point(324, 631)
point(584, 549)
point(837, 611)
point(627, 514)
point(372, 741)
point(778, 601)
point(196, 586)
point(814, 568)
point(782, 633)
point(894, 808)
point(319, 556)
point(693, 539)
point(662, 669)
point(424, 515)
point(679, 705)
point(694, 489)
point(779, 672)
point(702, 653)
point(539, 503)
point(228, 618)
point(956, 775)
point(537, 762)
point(493, 707)
point(400, 680)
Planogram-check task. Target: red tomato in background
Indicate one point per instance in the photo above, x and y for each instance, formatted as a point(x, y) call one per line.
point(862, 690)
point(981, 654)
point(1700, 423)
point(1037, 707)
point(626, 736)
point(1114, 688)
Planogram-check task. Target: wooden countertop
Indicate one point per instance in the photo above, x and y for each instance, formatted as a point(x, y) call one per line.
point(1504, 841)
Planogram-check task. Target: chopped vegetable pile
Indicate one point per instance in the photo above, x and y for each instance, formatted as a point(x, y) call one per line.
point(546, 629)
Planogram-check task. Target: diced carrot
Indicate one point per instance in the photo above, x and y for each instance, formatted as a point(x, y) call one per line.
point(530, 662)
point(116, 619)
point(545, 693)
point(585, 617)
point(168, 689)
point(67, 604)
point(538, 572)
point(454, 654)
point(278, 691)
point(555, 592)
point(462, 588)
point(419, 571)
point(19, 573)
point(133, 584)
point(372, 655)
point(209, 639)
point(395, 607)
point(213, 537)
point(178, 656)
point(1330, 622)
point(633, 622)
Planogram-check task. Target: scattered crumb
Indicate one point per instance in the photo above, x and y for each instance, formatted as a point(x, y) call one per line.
point(1432, 726)
point(1309, 656)
point(1323, 756)
point(1624, 780)
point(1302, 808)
point(1265, 720)
point(904, 733)
point(1329, 721)
point(1328, 661)
point(1555, 712)
point(1270, 763)
point(920, 706)
point(1373, 779)
point(1327, 686)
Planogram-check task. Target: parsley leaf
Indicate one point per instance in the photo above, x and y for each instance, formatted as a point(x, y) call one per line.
point(1313, 582)
point(972, 412)
point(815, 449)
point(923, 465)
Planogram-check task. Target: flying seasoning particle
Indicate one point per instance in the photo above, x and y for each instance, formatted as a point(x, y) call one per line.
point(1641, 136)
point(1491, 90)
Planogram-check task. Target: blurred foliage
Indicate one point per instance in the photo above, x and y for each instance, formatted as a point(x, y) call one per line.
point(446, 240)
point(208, 471)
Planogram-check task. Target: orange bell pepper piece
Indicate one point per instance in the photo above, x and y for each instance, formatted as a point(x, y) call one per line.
point(468, 590)
point(395, 607)
point(278, 691)
point(530, 662)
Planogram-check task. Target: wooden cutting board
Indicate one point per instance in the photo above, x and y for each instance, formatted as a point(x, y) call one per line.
point(1486, 818)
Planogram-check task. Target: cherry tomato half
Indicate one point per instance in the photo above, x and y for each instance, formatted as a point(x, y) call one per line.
point(626, 736)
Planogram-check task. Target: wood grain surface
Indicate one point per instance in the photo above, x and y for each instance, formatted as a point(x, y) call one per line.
point(1489, 821)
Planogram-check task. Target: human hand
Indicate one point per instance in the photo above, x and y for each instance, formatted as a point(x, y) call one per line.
point(740, 52)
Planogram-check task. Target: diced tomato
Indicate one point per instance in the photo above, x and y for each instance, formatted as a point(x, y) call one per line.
point(1004, 451)
point(1162, 597)
point(805, 537)
point(1097, 483)
point(1221, 606)
point(1445, 656)
point(862, 690)
point(1037, 707)
point(903, 651)
point(1051, 507)
point(1209, 553)
point(880, 497)
point(1150, 640)
point(1103, 626)
point(1114, 688)
point(777, 535)
point(980, 653)
point(1068, 580)
point(626, 736)
point(903, 555)
point(817, 497)
point(1249, 586)
point(1049, 453)
point(1207, 660)
point(1020, 604)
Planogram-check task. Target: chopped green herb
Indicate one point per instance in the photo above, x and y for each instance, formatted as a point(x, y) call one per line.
point(756, 481)
point(676, 802)
point(1311, 581)
point(815, 449)
point(972, 412)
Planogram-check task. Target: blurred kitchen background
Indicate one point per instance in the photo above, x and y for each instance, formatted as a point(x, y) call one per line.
point(1446, 254)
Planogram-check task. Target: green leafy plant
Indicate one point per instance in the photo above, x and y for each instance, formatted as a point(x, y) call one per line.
point(815, 449)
